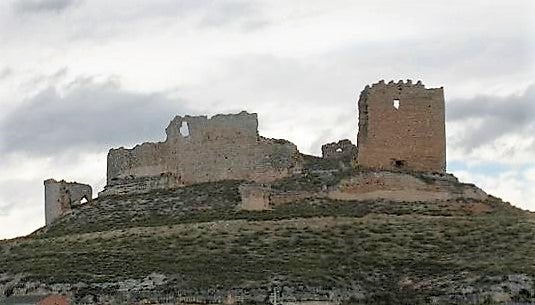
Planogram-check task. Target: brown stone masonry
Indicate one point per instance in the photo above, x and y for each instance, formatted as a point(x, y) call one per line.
point(341, 150)
point(199, 149)
point(402, 126)
point(62, 196)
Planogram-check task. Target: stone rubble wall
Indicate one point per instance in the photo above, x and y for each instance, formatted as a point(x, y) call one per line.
point(62, 196)
point(341, 150)
point(255, 197)
point(130, 186)
point(262, 197)
point(369, 185)
point(224, 147)
point(411, 137)
point(404, 187)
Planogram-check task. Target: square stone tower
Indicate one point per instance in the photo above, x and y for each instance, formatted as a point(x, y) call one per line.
point(402, 126)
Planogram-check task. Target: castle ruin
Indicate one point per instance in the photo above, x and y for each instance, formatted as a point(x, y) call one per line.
point(402, 126)
point(401, 129)
point(62, 196)
point(200, 149)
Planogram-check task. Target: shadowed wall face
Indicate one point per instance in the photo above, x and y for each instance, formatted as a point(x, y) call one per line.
point(402, 126)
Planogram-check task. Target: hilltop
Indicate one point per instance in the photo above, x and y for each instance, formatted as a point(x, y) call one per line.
point(217, 213)
point(195, 243)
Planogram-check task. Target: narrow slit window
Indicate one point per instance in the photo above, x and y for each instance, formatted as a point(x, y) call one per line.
point(396, 103)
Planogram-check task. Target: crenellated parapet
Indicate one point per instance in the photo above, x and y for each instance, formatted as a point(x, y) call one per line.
point(399, 84)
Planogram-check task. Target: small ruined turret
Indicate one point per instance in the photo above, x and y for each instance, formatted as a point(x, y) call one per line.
point(62, 196)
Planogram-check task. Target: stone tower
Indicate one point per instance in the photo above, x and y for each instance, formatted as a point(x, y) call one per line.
point(61, 196)
point(402, 126)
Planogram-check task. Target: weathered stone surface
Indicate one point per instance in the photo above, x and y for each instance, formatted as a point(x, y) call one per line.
point(403, 187)
point(255, 197)
point(402, 126)
point(61, 196)
point(140, 185)
point(369, 185)
point(341, 150)
point(224, 147)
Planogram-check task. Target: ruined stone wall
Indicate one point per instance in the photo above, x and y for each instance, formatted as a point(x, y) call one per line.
point(140, 185)
point(220, 148)
point(402, 126)
point(61, 196)
point(255, 197)
point(341, 150)
point(403, 187)
point(364, 185)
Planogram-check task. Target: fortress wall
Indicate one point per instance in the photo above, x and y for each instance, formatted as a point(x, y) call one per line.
point(141, 185)
point(410, 135)
point(224, 147)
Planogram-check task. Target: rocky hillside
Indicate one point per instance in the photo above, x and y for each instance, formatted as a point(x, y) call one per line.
point(194, 245)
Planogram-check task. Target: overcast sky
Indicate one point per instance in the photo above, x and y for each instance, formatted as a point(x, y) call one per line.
point(78, 77)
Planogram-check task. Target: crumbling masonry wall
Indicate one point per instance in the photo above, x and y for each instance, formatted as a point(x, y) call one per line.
point(402, 126)
point(198, 149)
point(341, 150)
point(62, 196)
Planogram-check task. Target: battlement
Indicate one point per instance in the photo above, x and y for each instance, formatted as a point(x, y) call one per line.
point(392, 84)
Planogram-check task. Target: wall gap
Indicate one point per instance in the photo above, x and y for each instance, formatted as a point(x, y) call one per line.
point(184, 129)
point(395, 103)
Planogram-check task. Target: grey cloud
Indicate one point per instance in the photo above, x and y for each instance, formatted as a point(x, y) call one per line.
point(10, 192)
point(94, 116)
point(5, 73)
point(237, 15)
point(35, 6)
point(332, 82)
point(500, 116)
point(222, 13)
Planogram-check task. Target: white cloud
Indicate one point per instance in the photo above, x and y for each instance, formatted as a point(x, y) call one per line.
point(515, 186)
